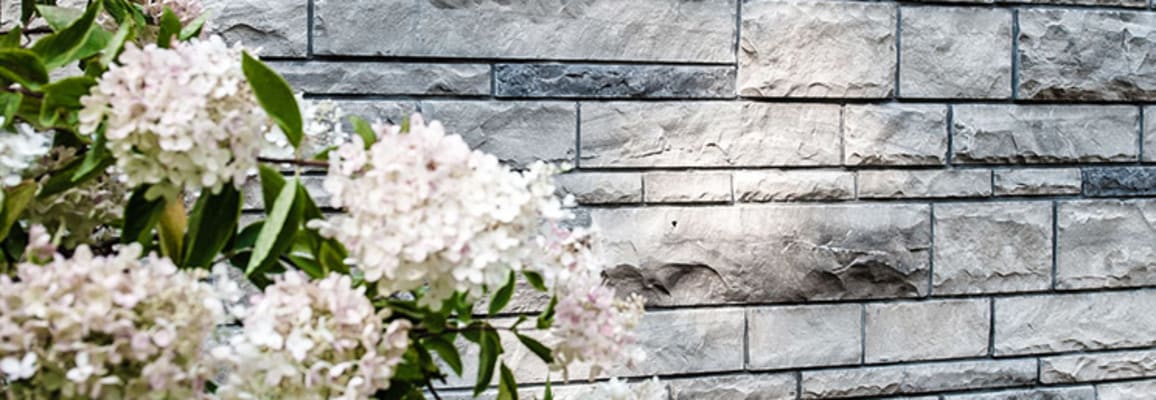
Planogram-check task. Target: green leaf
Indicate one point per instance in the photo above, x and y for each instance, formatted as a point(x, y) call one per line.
point(96, 159)
point(549, 392)
point(502, 297)
point(275, 97)
point(171, 228)
point(446, 350)
point(193, 29)
point(23, 67)
point(507, 387)
point(271, 184)
point(535, 280)
point(277, 234)
point(60, 48)
point(546, 318)
point(62, 99)
point(537, 348)
point(16, 199)
point(59, 18)
point(116, 43)
point(170, 26)
point(9, 105)
point(331, 257)
point(491, 347)
point(140, 216)
point(11, 39)
point(212, 223)
point(307, 265)
point(364, 130)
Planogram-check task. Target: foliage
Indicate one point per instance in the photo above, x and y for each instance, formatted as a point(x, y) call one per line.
point(125, 139)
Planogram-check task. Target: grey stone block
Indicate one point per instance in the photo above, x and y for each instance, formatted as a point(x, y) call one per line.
point(613, 81)
point(764, 253)
point(917, 378)
point(602, 188)
point(1040, 134)
point(956, 52)
point(753, 186)
point(948, 329)
point(1137, 390)
point(1119, 181)
point(992, 248)
point(729, 387)
point(895, 134)
point(1098, 367)
point(804, 336)
point(1038, 182)
point(1071, 393)
point(1106, 243)
point(516, 132)
point(643, 30)
point(687, 187)
point(279, 28)
point(876, 184)
point(1070, 322)
point(1084, 55)
point(385, 78)
point(806, 48)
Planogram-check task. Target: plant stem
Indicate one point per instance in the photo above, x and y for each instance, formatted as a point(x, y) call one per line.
point(294, 161)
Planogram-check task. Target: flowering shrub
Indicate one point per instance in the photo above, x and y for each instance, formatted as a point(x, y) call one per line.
point(121, 190)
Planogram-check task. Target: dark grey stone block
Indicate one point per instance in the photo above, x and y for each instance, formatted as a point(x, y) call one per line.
point(1119, 181)
point(613, 81)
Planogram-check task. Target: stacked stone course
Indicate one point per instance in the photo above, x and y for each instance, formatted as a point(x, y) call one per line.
point(949, 200)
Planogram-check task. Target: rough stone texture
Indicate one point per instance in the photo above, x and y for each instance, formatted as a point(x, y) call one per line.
point(1073, 393)
point(644, 30)
point(960, 329)
point(1035, 134)
point(1087, 321)
point(1114, 3)
point(253, 199)
point(610, 81)
point(777, 185)
point(602, 188)
point(806, 48)
point(956, 53)
point(392, 78)
point(280, 28)
point(768, 253)
point(1138, 390)
point(1149, 134)
point(916, 378)
point(992, 248)
point(708, 134)
point(735, 387)
point(1087, 55)
point(515, 132)
point(804, 336)
point(874, 184)
point(1106, 244)
point(895, 134)
point(1119, 181)
point(1098, 367)
point(1037, 182)
point(687, 187)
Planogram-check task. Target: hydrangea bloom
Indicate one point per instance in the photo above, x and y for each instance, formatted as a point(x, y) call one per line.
point(105, 327)
point(423, 209)
point(20, 150)
point(177, 118)
point(313, 340)
point(616, 389)
point(86, 211)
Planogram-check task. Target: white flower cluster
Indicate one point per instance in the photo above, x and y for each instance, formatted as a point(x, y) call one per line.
point(20, 150)
point(87, 211)
point(322, 128)
point(591, 324)
point(616, 389)
point(423, 209)
point(178, 118)
point(312, 340)
point(105, 327)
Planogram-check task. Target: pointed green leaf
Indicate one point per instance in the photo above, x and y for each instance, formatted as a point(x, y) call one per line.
point(170, 26)
point(9, 105)
point(140, 216)
point(116, 43)
point(12, 38)
point(277, 234)
point(507, 387)
point(59, 17)
point(96, 158)
point(16, 199)
point(23, 67)
point(171, 228)
point(546, 318)
point(364, 130)
point(212, 223)
point(491, 347)
point(549, 392)
point(446, 350)
point(62, 99)
point(537, 348)
point(271, 184)
point(275, 97)
point(535, 280)
point(60, 48)
point(193, 29)
point(502, 297)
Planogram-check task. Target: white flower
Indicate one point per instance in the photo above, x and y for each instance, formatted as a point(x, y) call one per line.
point(20, 150)
point(423, 210)
point(178, 118)
point(322, 126)
point(617, 389)
point(15, 369)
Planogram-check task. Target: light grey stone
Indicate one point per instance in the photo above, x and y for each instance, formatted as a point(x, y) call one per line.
point(1037, 182)
point(609, 81)
point(1098, 367)
point(735, 387)
point(280, 28)
point(1087, 55)
point(515, 132)
point(764, 253)
point(1070, 393)
point(1069, 322)
point(1106, 243)
point(956, 52)
point(917, 378)
point(1109, 3)
point(874, 184)
point(805, 48)
point(793, 185)
point(602, 188)
point(960, 330)
point(992, 248)
point(376, 111)
point(1136, 390)
point(687, 187)
point(804, 336)
point(643, 30)
point(1150, 133)
point(1036, 134)
point(709, 134)
point(895, 134)
point(385, 78)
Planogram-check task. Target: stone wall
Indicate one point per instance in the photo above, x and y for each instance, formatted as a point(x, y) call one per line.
point(821, 199)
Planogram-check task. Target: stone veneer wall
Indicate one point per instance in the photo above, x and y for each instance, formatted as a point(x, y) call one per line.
point(821, 199)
